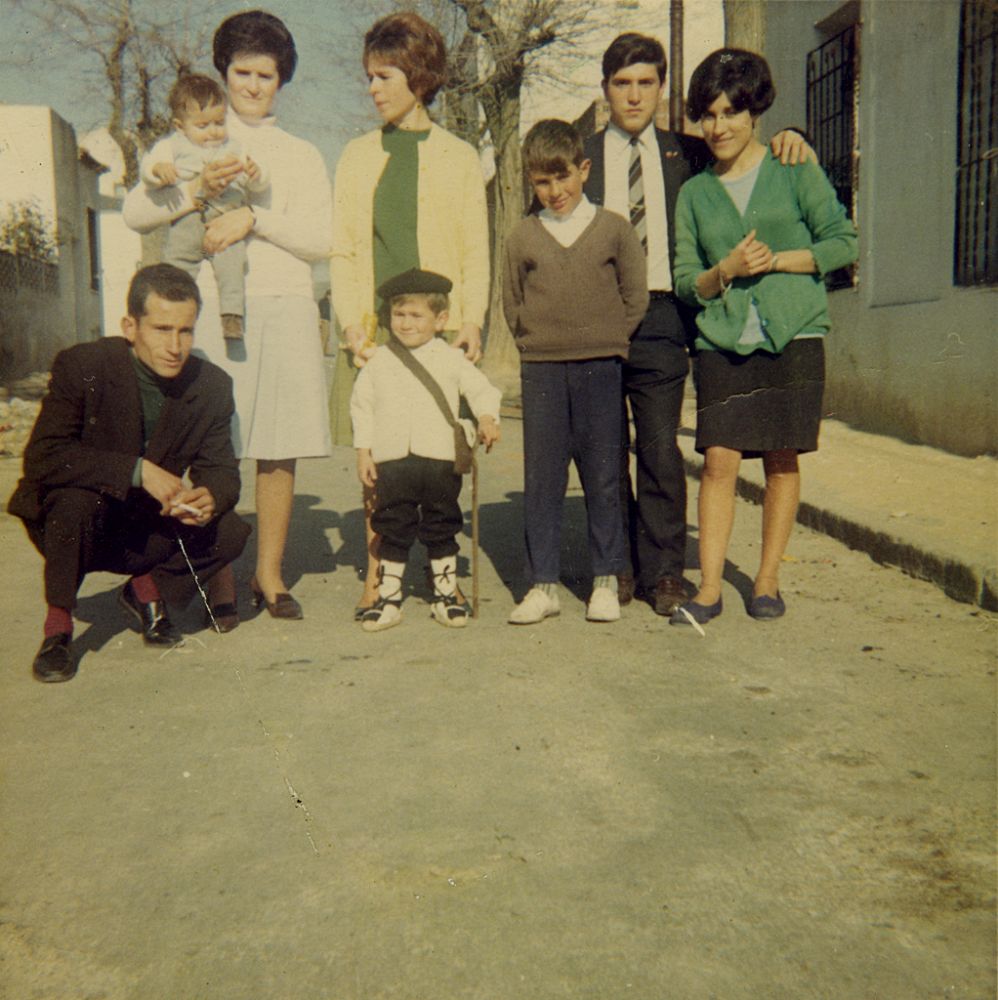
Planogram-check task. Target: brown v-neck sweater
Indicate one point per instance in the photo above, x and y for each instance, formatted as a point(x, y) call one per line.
point(577, 302)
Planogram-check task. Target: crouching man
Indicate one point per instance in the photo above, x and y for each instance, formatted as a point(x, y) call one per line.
point(123, 421)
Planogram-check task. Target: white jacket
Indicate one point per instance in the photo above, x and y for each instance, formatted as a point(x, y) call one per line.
point(394, 414)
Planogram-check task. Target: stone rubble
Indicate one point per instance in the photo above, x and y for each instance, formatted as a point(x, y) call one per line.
point(19, 405)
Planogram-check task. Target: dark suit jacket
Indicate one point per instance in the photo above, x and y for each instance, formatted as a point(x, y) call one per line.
point(89, 431)
point(682, 157)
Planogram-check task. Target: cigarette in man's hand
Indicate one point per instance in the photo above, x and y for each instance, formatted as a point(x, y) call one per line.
point(188, 508)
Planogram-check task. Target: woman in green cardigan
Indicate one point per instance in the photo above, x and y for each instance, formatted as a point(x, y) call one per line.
point(753, 242)
point(407, 195)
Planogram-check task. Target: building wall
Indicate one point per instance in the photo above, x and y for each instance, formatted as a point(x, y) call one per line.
point(76, 196)
point(910, 354)
point(39, 160)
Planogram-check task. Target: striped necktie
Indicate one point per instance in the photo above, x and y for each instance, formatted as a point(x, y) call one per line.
point(636, 195)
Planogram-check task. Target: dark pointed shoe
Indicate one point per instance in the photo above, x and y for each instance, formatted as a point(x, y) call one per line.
point(765, 608)
point(55, 662)
point(282, 606)
point(670, 592)
point(700, 613)
point(626, 588)
point(154, 622)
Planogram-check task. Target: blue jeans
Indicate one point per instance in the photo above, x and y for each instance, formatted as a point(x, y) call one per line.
point(571, 410)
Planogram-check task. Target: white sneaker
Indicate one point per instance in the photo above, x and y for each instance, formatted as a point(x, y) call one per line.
point(535, 607)
point(603, 606)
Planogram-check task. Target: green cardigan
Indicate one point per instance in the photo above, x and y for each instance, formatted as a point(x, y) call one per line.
point(791, 208)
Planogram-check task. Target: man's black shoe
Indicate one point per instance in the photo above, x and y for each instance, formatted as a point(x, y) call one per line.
point(154, 622)
point(55, 661)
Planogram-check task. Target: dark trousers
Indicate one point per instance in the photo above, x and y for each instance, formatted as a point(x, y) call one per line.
point(571, 410)
point(417, 497)
point(654, 380)
point(82, 531)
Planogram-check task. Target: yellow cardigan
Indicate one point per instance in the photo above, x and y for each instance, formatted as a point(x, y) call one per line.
point(451, 218)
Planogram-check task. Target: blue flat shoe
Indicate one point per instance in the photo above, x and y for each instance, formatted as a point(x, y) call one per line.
point(700, 613)
point(765, 608)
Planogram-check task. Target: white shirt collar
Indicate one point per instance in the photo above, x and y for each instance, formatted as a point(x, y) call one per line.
point(622, 139)
point(582, 214)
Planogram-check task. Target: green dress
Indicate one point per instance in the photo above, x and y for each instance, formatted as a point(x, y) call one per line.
point(396, 249)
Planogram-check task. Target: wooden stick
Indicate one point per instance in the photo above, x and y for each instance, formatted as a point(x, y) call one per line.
point(474, 536)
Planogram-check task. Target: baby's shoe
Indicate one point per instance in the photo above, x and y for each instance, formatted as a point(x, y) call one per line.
point(232, 326)
point(447, 608)
point(535, 607)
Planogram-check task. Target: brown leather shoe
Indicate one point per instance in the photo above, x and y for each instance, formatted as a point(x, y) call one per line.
point(625, 588)
point(670, 592)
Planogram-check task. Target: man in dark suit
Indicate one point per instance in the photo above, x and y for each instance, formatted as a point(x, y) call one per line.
point(637, 171)
point(123, 421)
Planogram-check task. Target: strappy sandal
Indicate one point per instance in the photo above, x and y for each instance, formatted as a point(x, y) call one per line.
point(451, 610)
point(387, 611)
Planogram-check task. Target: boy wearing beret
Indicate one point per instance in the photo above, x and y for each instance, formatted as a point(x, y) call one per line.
point(406, 444)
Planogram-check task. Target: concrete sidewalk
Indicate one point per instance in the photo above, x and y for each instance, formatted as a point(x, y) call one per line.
point(931, 514)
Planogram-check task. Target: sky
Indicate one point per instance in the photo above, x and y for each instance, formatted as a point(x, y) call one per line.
point(326, 103)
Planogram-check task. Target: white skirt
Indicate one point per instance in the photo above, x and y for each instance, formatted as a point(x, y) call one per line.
point(278, 376)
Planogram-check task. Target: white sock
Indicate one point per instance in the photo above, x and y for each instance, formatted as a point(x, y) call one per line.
point(444, 575)
point(390, 587)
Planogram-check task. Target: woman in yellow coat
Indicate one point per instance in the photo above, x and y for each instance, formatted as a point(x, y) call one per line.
point(406, 195)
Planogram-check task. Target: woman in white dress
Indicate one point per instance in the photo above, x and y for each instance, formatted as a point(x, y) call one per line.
point(277, 369)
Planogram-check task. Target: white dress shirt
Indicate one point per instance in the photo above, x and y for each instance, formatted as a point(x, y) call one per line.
point(617, 157)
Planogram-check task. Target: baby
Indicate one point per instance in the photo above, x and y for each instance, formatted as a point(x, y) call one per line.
point(198, 107)
point(406, 444)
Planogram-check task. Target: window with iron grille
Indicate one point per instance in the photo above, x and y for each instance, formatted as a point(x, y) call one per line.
point(832, 109)
point(976, 257)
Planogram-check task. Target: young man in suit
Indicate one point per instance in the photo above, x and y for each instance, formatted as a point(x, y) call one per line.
point(123, 421)
point(637, 171)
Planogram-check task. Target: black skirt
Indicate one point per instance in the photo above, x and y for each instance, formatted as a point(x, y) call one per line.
point(760, 402)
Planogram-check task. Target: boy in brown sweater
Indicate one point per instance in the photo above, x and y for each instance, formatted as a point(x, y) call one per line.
point(574, 290)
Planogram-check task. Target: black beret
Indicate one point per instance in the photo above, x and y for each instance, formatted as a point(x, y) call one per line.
point(415, 282)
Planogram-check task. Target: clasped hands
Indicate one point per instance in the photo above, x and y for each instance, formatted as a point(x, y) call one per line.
point(194, 507)
point(232, 226)
point(748, 258)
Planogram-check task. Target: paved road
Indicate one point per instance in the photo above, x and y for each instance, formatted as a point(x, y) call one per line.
point(801, 809)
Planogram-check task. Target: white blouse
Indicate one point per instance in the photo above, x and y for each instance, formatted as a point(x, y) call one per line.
point(294, 214)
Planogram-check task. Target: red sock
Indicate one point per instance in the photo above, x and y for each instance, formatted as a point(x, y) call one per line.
point(57, 622)
point(144, 588)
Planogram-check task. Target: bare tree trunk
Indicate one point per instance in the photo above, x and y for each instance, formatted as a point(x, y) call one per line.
point(502, 115)
point(745, 24)
point(677, 112)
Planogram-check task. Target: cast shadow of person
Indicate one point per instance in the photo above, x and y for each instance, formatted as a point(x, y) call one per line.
point(309, 549)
